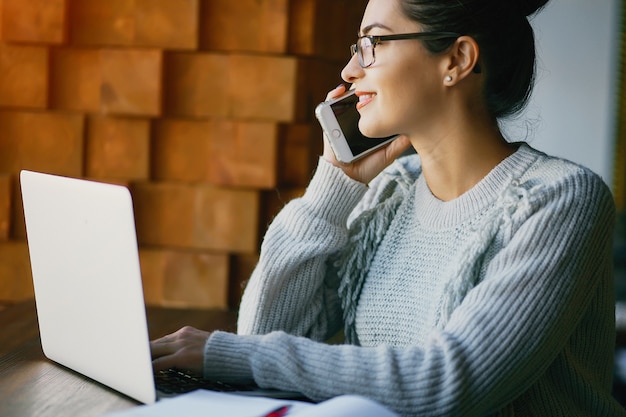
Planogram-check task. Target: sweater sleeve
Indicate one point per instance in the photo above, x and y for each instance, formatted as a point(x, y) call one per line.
point(291, 288)
point(509, 331)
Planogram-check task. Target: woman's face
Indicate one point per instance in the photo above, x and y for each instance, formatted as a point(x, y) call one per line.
point(401, 92)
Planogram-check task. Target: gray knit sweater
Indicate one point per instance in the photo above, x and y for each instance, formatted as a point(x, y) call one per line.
point(499, 302)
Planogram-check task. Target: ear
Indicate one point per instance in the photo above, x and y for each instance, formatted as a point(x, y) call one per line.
point(462, 60)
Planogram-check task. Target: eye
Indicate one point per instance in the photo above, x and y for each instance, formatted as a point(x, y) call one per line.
point(366, 43)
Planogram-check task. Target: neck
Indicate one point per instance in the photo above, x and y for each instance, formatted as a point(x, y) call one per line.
point(456, 159)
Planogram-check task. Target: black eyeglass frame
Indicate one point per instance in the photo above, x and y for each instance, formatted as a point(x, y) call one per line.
point(376, 40)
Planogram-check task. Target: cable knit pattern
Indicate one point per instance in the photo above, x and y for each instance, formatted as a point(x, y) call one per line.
point(465, 274)
point(497, 303)
point(366, 233)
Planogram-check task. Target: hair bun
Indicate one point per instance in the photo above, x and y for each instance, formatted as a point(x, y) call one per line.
point(529, 7)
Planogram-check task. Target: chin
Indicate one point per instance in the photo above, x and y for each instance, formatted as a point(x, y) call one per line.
point(376, 130)
point(373, 133)
point(369, 131)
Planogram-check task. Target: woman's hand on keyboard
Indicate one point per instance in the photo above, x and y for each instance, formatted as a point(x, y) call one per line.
point(183, 349)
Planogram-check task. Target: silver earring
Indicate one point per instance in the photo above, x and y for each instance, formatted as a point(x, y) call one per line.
point(448, 78)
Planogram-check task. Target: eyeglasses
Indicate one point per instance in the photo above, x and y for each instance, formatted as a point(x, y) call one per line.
point(365, 45)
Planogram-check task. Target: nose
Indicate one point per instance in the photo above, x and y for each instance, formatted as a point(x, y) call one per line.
point(352, 71)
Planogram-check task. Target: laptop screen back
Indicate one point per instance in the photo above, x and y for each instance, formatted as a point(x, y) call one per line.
point(87, 280)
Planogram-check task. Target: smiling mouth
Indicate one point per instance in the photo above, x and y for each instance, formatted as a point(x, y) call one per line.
point(364, 99)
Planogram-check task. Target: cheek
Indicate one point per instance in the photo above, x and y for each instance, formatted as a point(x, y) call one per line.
point(409, 99)
point(417, 93)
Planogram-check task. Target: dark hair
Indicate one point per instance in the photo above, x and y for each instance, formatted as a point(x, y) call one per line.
point(504, 36)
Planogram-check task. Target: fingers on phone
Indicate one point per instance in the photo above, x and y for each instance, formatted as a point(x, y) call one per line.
point(336, 92)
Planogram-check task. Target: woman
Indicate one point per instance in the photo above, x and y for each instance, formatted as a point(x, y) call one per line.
point(471, 279)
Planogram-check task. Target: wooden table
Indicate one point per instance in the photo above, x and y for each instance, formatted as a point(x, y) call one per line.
point(31, 385)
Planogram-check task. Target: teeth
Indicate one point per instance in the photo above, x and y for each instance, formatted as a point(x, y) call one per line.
point(366, 97)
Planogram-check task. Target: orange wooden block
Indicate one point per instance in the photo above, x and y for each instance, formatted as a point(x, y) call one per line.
point(24, 80)
point(321, 76)
point(181, 150)
point(240, 271)
point(279, 88)
point(339, 23)
point(298, 152)
point(243, 154)
point(116, 81)
point(75, 79)
point(46, 141)
point(187, 279)
point(244, 25)
point(196, 85)
point(41, 21)
point(227, 153)
point(265, 87)
point(246, 87)
point(324, 28)
point(118, 148)
point(6, 196)
point(197, 216)
point(54, 146)
point(152, 270)
point(16, 282)
point(131, 81)
point(108, 22)
point(169, 24)
point(302, 14)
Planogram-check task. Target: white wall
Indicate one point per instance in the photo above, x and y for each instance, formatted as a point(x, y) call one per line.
point(572, 112)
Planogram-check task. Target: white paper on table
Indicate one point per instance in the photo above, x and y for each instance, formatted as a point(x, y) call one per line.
point(203, 403)
point(345, 406)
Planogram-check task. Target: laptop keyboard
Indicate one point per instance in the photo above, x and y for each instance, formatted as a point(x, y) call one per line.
point(173, 381)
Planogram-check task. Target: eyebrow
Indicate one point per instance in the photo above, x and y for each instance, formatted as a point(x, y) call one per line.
point(368, 28)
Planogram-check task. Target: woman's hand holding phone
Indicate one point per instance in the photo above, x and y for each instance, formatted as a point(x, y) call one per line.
point(369, 166)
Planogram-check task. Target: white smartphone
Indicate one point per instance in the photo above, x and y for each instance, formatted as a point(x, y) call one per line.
point(339, 119)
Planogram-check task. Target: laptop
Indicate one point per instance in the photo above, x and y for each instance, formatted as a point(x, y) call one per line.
point(87, 281)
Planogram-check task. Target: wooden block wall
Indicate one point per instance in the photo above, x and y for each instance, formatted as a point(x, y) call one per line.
point(5, 207)
point(203, 108)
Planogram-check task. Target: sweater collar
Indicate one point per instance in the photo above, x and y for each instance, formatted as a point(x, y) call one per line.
point(435, 213)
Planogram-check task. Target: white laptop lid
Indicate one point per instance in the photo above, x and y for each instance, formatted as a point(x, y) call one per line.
point(87, 280)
